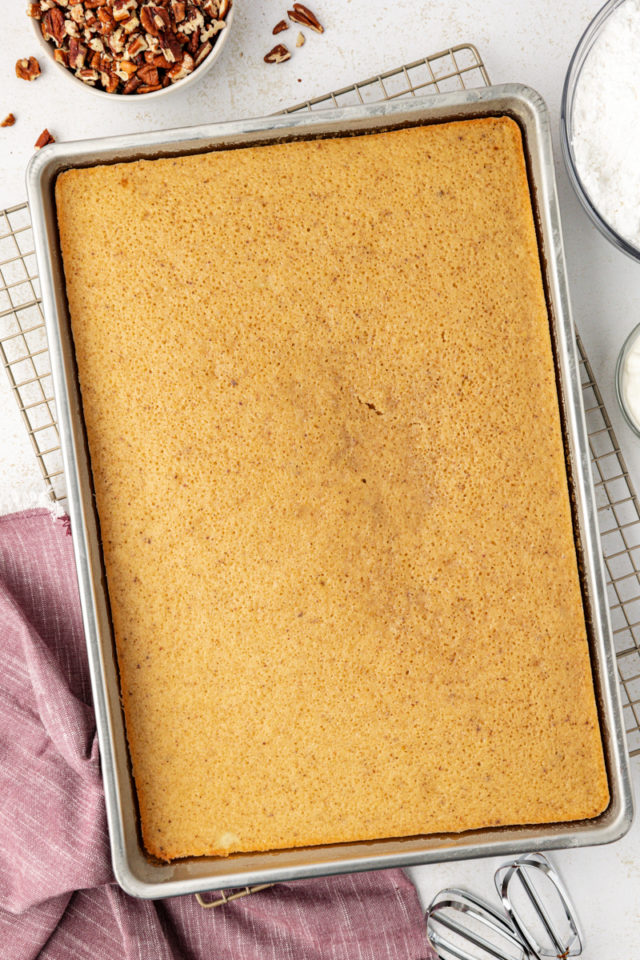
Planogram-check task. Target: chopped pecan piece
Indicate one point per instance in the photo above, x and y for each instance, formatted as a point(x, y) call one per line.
point(130, 25)
point(147, 22)
point(302, 15)
point(300, 41)
point(28, 68)
point(278, 55)
point(149, 75)
point(179, 10)
point(44, 138)
point(131, 85)
point(160, 61)
point(170, 47)
point(154, 19)
point(88, 75)
point(125, 69)
point(162, 18)
point(109, 81)
point(77, 54)
point(117, 41)
point(203, 52)
point(279, 27)
point(193, 43)
point(52, 25)
point(153, 43)
point(149, 88)
point(211, 30)
point(136, 46)
point(8, 121)
point(193, 22)
point(123, 9)
point(61, 56)
point(34, 10)
point(182, 69)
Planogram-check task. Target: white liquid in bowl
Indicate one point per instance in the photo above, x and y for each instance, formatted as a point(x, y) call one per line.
point(630, 381)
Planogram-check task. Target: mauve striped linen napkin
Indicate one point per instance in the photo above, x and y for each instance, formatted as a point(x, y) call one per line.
point(58, 898)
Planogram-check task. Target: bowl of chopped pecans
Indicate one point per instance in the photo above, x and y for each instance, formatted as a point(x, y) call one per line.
point(120, 48)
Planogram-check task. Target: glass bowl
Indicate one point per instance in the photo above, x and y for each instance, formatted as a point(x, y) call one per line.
point(633, 337)
point(572, 79)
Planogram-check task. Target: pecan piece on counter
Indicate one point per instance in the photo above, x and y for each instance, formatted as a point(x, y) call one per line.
point(28, 68)
point(300, 40)
point(8, 121)
point(279, 27)
point(305, 17)
point(44, 138)
point(278, 55)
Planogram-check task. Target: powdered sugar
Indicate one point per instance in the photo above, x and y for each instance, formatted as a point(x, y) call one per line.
point(606, 122)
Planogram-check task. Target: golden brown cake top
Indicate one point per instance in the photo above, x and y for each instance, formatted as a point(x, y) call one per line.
point(320, 399)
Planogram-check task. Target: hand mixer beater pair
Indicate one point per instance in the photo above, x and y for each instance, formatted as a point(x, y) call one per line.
point(537, 920)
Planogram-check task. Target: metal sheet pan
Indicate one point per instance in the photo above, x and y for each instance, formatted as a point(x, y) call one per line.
point(135, 872)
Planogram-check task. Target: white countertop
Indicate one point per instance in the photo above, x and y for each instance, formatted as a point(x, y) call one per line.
point(528, 41)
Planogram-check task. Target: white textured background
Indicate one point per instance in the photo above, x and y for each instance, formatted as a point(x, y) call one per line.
point(529, 41)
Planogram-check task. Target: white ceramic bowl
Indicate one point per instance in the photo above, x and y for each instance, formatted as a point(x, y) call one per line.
point(197, 74)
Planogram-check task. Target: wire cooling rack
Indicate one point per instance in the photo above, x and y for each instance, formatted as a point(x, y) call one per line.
point(23, 344)
point(24, 354)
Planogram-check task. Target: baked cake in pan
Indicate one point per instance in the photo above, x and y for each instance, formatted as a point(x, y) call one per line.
point(320, 400)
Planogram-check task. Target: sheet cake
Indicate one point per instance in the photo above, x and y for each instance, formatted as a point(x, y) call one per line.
point(320, 401)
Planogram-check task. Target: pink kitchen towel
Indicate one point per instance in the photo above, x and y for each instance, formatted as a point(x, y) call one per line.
point(58, 898)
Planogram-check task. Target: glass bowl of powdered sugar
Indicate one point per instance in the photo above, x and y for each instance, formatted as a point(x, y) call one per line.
point(600, 125)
